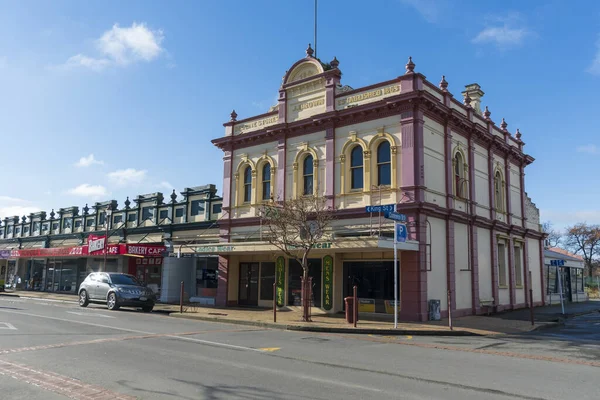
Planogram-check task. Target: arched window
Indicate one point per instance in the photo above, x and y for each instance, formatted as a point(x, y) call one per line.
point(307, 175)
point(384, 164)
point(356, 168)
point(247, 184)
point(458, 175)
point(266, 181)
point(498, 191)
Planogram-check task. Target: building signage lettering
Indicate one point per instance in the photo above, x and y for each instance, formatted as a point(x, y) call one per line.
point(327, 282)
point(145, 250)
point(368, 95)
point(96, 243)
point(214, 249)
point(257, 124)
point(324, 245)
point(4, 254)
point(308, 104)
point(280, 280)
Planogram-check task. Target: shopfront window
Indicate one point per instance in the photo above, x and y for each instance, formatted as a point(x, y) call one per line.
point(295, 282)
point(206, 276)
point(375, 284)
point(36, 275)
point(267, 279)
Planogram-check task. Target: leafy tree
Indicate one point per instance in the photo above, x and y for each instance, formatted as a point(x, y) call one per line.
point(584, 239)
point(295, 226)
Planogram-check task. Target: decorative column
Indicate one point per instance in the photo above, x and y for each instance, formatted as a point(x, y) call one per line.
point(494, 248)
point(542, 280)
point(330, 166)
point(223, 282)
point(450, 262)
point(525, 271)
point(332, 80)
point(473, 230)
point(281, 170)
point(413, 274)
point(449, 173)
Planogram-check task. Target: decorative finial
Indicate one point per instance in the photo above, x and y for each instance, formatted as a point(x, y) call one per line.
point(410, 66)
point(52, 214)
point(86, 209)
point(444, 84)
point(127, 203)
point(24, 219)
point(487, 113)
point(467, 100)
point(503, 124)
point(309, 51)
point(233, 116)
point(334, 63)
point(518, 134)
point(173, 196)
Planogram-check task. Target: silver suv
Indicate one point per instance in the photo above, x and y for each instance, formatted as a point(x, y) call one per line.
point(115, 290)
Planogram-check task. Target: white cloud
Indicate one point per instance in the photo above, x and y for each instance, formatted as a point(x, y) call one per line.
point(165, 185)
point(589, 149)
point(80, 60)
point(11, 206)
point(504, 31)
point(592, 69)
point(121, 47)
point(564, 218)
point(87, 190)
point(87, 161)
point(124, 177)
point(429, 9)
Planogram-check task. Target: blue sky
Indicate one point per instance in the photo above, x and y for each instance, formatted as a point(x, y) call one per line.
point(144, 86)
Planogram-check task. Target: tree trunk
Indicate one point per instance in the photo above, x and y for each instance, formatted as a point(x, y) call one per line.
point(305, 290)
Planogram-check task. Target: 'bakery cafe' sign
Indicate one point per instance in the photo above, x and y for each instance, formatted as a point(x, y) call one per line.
point(94, 248)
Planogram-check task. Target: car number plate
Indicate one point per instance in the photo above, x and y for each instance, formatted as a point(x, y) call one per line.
point(143, 298)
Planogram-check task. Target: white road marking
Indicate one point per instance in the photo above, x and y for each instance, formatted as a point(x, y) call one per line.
point(7, 325)
point(89, 314)
point(216, 344)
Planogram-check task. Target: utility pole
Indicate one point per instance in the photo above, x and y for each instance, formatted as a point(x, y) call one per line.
point(107, 222)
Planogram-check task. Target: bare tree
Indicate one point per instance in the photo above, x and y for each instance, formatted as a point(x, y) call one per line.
point(295, 226)
point(584, 239)
point(555, 237)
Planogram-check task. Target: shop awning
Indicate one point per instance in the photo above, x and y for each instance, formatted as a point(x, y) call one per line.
point(341, 245)
point(136, 250)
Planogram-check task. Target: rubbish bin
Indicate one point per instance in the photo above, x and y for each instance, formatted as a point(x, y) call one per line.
point(434, 310)
point(349, 309)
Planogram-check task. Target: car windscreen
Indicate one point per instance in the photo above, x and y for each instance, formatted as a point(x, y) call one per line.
point(118, 279)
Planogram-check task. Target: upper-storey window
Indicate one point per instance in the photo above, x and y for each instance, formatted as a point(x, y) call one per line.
point(499, 191)
point(147, 213)
point(356, 168)
point(197, 207)
point(460, 188)
point(266, 181)
point(384, 164)
point(308, 175)
point(247, 184)
point(67, 223)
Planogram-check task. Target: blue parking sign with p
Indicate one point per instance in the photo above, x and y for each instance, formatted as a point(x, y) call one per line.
point(401, 233)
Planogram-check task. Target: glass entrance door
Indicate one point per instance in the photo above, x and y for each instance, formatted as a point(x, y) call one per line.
point(248, 294)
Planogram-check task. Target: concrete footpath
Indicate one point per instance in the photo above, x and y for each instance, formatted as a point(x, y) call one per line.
point(289, 318)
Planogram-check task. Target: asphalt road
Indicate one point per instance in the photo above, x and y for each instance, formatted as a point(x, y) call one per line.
point(58, 350)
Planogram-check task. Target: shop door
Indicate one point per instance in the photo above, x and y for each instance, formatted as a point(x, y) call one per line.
point(567, 281)
point(248, 295)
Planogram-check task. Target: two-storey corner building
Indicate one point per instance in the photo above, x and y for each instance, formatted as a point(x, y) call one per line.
point(54, 252)
point(404, 143)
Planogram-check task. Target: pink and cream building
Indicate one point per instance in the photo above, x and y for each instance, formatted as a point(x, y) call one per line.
point(440, 159)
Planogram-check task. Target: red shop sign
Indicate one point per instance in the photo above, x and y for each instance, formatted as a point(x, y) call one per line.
point(51, 252)
point(143, 250)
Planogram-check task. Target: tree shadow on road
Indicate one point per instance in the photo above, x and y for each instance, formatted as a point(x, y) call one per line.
point(217, 392)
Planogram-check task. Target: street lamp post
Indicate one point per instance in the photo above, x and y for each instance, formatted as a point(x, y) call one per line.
point(107, 222)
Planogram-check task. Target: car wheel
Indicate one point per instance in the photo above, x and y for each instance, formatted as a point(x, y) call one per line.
point(111, 302)
point(147, 308)
point(83, 299)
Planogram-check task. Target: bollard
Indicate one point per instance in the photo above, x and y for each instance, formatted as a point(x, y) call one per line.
point(355, 304)
point(450, 309)
point(274, 302)
point(181, 299)
point(531, 300)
